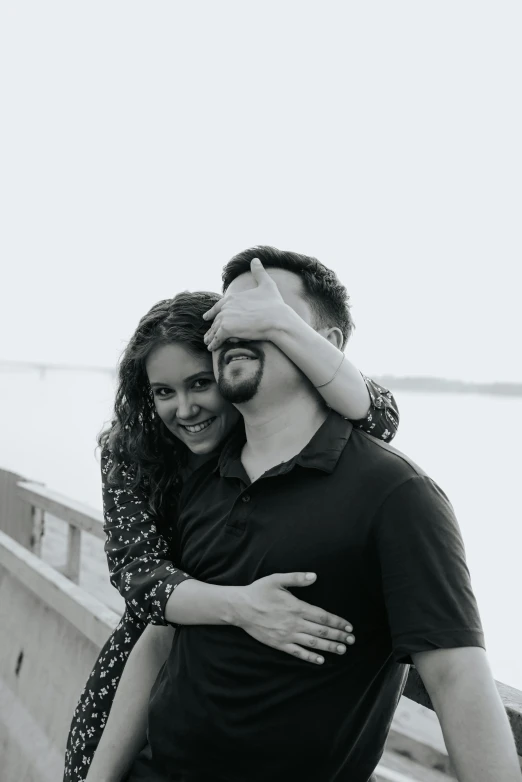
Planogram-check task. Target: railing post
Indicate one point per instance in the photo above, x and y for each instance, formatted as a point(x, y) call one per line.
point(74, 548)
point(38, 531)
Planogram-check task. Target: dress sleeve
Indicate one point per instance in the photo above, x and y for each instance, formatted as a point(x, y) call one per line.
point(425, 581)
point(140, 558)
point(382, 420)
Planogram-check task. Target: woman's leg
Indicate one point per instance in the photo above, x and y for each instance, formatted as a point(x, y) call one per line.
point(90, 715)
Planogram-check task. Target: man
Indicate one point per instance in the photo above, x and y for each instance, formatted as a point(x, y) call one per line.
point(303, 490)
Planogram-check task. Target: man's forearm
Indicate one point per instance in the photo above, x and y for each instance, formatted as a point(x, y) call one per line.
point(125, 733)
point(476, 728)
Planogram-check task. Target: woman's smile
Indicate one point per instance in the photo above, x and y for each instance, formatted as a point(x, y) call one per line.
point(200, 427)
point(187, 398)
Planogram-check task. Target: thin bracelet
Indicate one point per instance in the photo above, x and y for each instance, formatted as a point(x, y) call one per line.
point(334, 374)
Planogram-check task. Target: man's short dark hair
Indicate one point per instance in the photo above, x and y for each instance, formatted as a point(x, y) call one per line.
point(322, 289)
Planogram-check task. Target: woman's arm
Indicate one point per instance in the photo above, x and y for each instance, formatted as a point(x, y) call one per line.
point(338, 381)
point(139, 557)
point(261, 313)
point(125, 733)
point(368, 405)
point(267, 611)
point(142, 570)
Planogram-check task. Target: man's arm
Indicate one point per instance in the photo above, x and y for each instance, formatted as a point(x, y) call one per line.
point(473, 720)
point(434, 622)
point(125, 733)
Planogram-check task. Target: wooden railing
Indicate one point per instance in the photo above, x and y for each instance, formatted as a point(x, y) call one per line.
point(83, 519)
point(79, 518)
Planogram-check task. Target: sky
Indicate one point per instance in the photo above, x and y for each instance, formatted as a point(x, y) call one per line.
point(143, 144)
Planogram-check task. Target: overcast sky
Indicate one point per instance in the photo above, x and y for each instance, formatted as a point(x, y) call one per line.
point(145, 143)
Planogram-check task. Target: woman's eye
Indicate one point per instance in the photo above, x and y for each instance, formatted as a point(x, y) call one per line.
point(202, 384)
point(162, 392)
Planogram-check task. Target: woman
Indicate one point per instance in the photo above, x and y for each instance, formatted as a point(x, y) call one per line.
point(158, 436)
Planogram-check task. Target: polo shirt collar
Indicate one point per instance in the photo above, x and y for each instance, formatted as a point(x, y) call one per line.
point(321, 453)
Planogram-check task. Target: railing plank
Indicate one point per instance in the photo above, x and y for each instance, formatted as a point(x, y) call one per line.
point(74, 513)
point(91, 617)
point(38, 531)
point(74, 550)
point(512, 700)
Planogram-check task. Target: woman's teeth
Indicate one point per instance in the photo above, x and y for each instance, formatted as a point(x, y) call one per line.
point(199, 427)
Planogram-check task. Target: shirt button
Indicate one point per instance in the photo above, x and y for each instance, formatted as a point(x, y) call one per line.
point(246, 497)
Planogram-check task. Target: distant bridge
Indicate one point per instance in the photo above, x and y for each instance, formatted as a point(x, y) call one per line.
point(43, 367)
point(443, 385)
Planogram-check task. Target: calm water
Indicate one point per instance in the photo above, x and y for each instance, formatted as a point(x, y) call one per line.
point(467, 443)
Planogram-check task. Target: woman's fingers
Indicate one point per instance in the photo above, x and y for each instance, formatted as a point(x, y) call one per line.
point(310, 612)
point(319, 644)
point(259, 272)
point(324, 618)
point(217, 339)
point(303, 654)
point(327, 633)
point(211, 333)
point(298, 579)
point(213, 311)
point(303, 640)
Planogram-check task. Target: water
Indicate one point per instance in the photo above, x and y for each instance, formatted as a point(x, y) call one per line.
point(467, 443)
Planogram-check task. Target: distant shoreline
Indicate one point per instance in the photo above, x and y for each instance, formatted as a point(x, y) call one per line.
point(442, 385)
point(405, 383)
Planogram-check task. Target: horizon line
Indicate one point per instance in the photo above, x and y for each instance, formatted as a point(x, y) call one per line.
point(404, 382)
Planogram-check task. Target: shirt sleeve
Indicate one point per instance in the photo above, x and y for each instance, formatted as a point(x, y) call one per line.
point(425, 580)
point(139, 557)
point(382, 420)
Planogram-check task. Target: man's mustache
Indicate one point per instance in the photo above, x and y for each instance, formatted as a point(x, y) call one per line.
point(250, 346)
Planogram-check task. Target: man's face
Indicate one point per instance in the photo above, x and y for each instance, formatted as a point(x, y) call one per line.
point(243, 368)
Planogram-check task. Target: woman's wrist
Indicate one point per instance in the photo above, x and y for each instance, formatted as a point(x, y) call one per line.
point(284, 322)
point(316, 356)
point(195, 602)
point(235, 605)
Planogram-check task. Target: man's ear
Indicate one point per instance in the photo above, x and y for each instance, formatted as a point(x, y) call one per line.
point(333, 335)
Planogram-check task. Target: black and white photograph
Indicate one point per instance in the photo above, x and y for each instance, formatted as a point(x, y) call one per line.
point(261, 391)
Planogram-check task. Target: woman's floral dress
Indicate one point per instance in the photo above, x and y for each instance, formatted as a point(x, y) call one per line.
point(141, 555)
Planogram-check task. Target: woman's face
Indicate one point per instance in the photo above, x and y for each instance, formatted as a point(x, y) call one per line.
point(187, 398)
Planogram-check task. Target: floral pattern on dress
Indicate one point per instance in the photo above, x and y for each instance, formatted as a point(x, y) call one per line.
point(382, 420)
point(141, 554)
point(138, 554)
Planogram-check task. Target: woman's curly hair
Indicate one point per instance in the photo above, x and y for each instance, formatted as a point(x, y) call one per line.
point(143, 452)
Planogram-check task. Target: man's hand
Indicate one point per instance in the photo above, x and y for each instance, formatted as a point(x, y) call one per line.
point(251, 314)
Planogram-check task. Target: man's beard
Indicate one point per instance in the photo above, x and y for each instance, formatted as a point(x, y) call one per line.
point(240, 391)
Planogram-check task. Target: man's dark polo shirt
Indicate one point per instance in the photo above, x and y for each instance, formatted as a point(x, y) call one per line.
point(385, 545)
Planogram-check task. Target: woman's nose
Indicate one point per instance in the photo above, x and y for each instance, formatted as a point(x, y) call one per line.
point(186, 408)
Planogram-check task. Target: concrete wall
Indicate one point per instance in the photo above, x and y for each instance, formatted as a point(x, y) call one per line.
point(50, 636)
